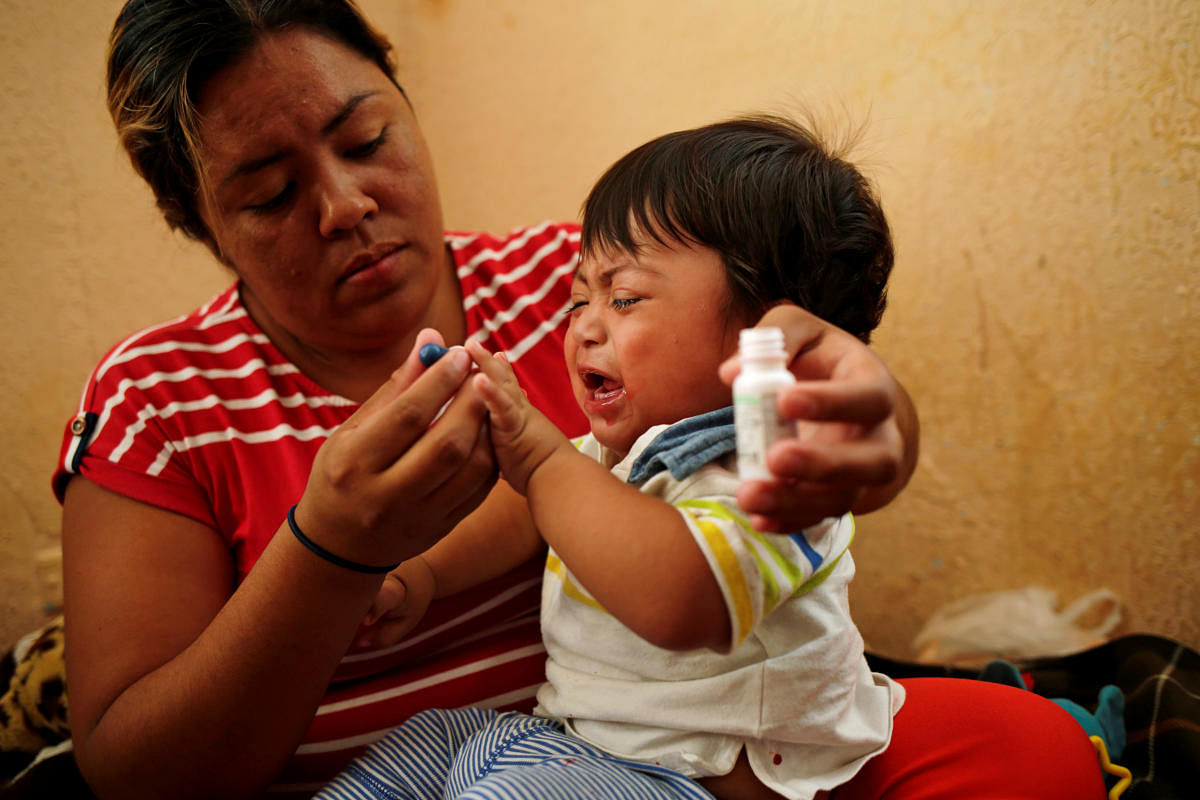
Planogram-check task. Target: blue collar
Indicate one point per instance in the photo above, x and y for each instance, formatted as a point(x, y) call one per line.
point(687, 445)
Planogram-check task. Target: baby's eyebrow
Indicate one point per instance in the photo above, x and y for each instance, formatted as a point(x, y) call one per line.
point(606, 275)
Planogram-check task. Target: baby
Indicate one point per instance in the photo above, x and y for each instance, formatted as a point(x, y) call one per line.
point(681, 641)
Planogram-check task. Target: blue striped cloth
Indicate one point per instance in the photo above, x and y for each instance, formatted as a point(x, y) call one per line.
point(479, 754)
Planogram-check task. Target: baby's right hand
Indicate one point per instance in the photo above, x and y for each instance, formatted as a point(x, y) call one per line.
point(524, 439)
point(404, 597)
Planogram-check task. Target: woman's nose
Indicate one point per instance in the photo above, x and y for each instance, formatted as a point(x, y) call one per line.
point(344, 203)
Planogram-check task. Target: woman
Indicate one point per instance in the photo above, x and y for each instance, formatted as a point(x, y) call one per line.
point(207, 654)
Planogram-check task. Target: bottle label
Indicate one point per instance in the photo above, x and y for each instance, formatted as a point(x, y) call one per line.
point(759, 425)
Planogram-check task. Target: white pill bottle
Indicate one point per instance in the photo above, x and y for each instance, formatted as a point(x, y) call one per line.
point(756, 417)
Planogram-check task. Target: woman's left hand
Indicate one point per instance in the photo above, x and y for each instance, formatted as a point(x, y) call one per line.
point(857, 430)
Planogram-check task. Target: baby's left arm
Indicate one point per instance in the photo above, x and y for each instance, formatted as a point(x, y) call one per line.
point(632, 552)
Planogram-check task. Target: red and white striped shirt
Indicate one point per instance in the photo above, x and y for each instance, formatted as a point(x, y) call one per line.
point(205, 417)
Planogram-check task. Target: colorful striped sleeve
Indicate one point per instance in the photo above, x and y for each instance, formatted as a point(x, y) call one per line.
point(759, 571)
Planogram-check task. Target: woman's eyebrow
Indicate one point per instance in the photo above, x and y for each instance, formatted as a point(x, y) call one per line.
point(345, 112)
point(254, 165)
point(250, 167)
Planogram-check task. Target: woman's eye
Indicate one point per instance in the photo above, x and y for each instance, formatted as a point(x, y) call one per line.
point(364, 150)
point(621, 303)
point(275, 202)
point(571, 309)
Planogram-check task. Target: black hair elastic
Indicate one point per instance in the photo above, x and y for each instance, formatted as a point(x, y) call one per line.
point(345, 563)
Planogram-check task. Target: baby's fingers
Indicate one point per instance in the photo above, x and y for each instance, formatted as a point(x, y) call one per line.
point(499, 388)
point(390, 600)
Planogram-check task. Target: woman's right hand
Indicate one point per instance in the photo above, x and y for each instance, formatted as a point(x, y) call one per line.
point(391, 481)
point(169, 657)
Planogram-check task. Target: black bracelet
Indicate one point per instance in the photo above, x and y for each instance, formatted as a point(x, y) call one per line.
point(330, 557)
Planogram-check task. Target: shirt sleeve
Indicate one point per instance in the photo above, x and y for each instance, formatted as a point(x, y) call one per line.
point(118, 441)
point(759, 571)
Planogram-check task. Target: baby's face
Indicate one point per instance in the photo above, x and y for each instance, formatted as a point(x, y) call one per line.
point(647, 332)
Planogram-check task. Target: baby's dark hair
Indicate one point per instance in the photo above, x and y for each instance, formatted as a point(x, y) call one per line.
point(790, 220)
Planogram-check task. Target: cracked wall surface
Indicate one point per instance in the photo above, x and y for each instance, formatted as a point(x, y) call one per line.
point(1039, 166)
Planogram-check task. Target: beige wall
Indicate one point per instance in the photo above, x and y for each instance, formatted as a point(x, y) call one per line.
point(1039, 162)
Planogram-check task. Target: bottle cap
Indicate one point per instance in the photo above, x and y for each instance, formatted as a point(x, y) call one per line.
point(760, 343)
point(430, 353)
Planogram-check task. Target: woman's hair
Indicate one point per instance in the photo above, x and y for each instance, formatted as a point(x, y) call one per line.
point(790, 220)
point(162, 52)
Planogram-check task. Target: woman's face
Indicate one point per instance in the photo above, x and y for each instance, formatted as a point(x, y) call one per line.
point(321, 196)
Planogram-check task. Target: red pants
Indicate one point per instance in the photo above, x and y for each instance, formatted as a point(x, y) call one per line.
point(972, 740)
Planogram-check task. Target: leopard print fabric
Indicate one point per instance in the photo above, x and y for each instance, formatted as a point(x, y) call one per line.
point(33, 708)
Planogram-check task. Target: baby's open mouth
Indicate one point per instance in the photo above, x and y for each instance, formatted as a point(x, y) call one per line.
point(600, 385)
